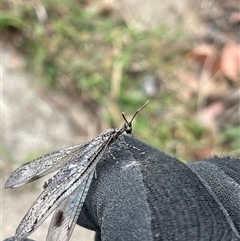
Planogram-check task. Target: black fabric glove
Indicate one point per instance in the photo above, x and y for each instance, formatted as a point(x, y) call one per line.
point(141, 193)
point(148, 195)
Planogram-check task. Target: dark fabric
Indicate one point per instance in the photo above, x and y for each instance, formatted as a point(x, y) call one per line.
point(153, 196)
point(141, 193)
point(222, 178)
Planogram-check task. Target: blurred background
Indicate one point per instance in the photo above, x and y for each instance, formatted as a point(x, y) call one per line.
point(69, 68)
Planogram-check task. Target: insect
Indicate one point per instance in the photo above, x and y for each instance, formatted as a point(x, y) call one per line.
point(66, 191)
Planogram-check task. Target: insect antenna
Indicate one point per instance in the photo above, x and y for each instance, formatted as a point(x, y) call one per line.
point(128, 125)
point(138, 111)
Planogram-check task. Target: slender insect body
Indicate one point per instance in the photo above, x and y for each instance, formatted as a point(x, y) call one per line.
point(64, 182)
point(62, 185)
point(66, 191)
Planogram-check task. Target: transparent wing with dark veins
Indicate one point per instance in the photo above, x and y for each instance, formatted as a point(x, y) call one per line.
point(66, 214)
point(63, 183)
point(43, 165)
point(66, 191)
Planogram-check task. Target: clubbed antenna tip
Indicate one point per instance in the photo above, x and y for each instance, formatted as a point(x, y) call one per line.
point(129, 123)
point(138, 111)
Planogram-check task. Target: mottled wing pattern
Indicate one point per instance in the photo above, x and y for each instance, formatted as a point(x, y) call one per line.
point(66, 214)
point(66, 191)
point(62, 184)
point(43, 165)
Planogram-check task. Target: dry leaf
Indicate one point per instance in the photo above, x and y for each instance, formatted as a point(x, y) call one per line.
point(230, 61)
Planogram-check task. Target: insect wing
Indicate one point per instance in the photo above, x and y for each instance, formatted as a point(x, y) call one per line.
point(62, 185)
point(65, 216)
point(43, 165)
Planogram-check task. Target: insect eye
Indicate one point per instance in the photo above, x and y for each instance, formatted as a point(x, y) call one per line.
point(128, 128)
